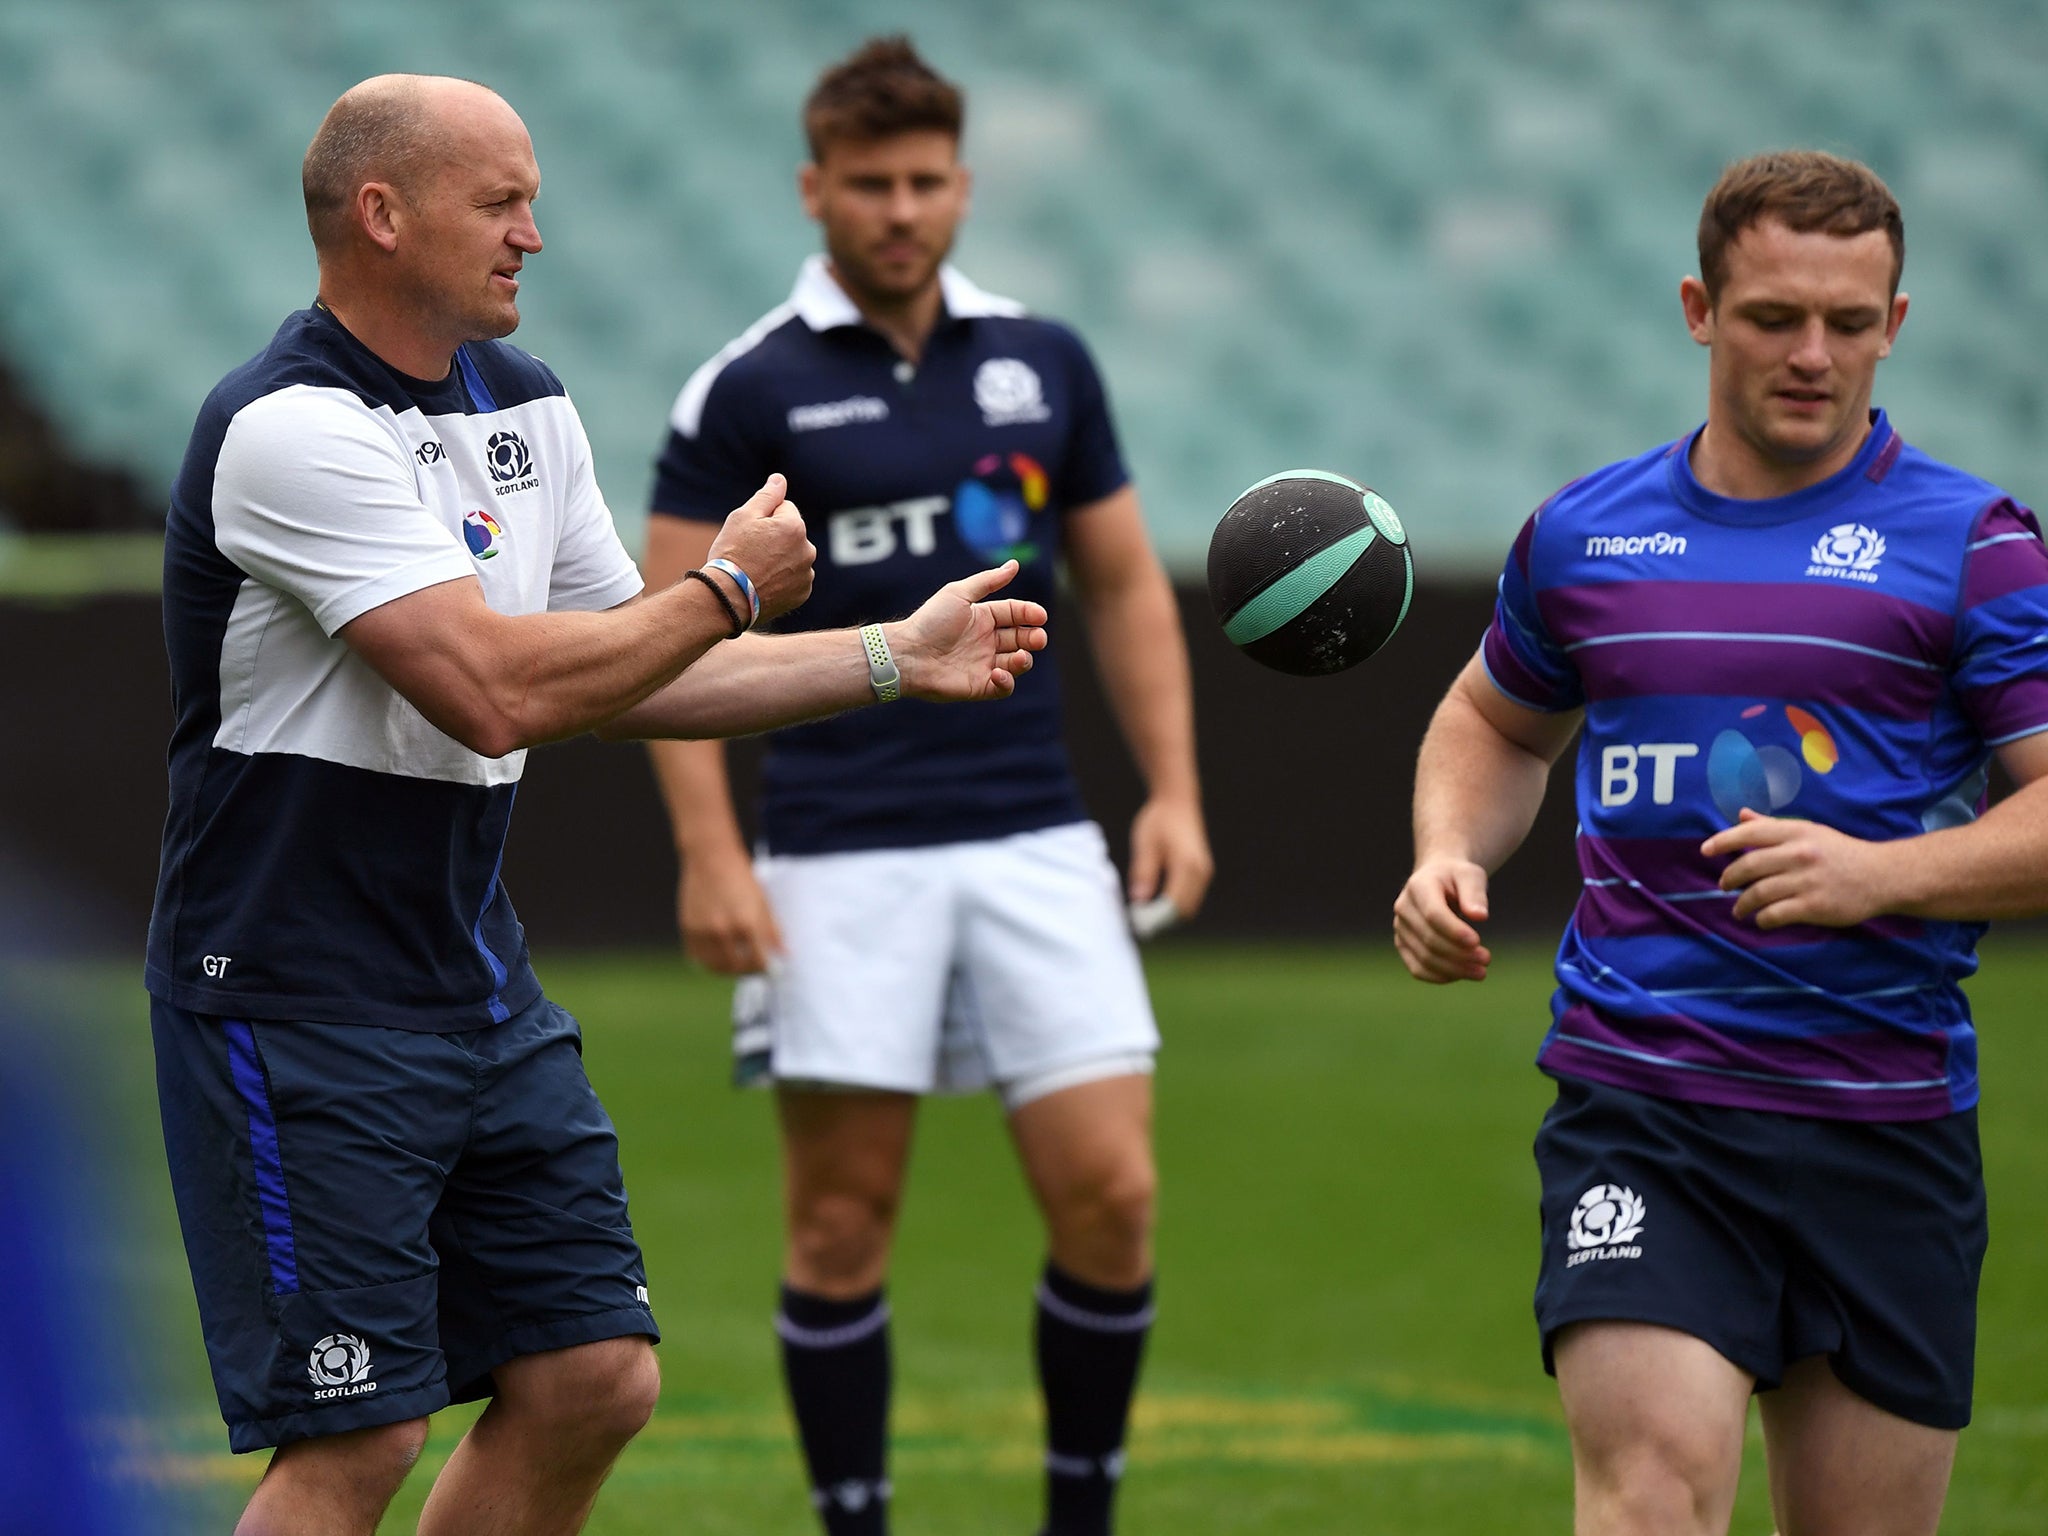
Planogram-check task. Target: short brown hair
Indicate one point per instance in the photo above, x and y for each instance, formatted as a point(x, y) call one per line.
point(882, 89)
point(1805, 190)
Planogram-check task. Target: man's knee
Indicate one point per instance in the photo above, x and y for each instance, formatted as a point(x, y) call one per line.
point(1653, 1481)
point(840, 1237)
point(603, 1392)
point(353, 1474)
point(1109, 1206)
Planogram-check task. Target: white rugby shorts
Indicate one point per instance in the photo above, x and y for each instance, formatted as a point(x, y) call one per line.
point(947, 969)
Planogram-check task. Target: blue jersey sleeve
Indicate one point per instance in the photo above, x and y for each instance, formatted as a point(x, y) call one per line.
point(1525, 662)
point(1094, 466)
point(2001, 649)
point(716, 455)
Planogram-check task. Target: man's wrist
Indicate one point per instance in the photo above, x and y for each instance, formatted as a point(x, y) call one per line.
point(1180, 792)
point(724, 846)
point(885, 675)
point(742, 594)
point(909, 665)
point(735, 623)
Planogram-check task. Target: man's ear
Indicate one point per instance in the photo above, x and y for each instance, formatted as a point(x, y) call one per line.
point(381, 213)
point(1699, 310)
point(1893, 321)
point(809, 184)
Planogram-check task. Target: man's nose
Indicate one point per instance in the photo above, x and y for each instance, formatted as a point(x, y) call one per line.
point(1810, 353)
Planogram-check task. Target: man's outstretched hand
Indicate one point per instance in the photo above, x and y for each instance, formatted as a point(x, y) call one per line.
point(963, 645)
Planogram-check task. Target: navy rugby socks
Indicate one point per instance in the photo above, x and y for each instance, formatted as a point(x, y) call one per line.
point(1090, 1342)
point(835, 1359)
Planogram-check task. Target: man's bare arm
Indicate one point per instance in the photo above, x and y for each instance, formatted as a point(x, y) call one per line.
point(961, 646)
point(1134, 631)
point(722, 913)
point(498, 682)
point(1479, 782)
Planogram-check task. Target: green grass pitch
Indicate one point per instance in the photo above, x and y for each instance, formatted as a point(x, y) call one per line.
point(1347, 1244)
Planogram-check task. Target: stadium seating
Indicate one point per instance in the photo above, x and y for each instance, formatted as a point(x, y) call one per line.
point(1433, 245)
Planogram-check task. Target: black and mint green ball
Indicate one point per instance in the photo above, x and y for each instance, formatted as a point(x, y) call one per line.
point(1310, 573)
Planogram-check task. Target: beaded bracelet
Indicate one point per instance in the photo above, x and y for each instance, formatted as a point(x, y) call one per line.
point(731, 613)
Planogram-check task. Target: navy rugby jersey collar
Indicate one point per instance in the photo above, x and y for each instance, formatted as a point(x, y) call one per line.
point(447, 396)
point(822, 304)
point(1880, 448)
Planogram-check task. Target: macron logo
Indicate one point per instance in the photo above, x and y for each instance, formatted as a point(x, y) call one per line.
point(837, 413)
point(1637, 544)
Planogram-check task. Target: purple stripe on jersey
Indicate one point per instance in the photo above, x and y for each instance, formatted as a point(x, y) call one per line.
point(1868, 1075)
point(1620, 912)
point(1519, 553)
point(1825, 675)
point(1511, 677)
point(1887, 456)
point(2002, 711)
point(1828, 610)
point(2014, 563)
point(1665, 867)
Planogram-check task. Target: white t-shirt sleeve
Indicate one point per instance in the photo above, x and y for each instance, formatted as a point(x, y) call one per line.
point(592, 570)
point(315, 497)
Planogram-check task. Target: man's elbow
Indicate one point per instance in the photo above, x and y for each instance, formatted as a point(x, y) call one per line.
point(487, 726)
point(489, 734)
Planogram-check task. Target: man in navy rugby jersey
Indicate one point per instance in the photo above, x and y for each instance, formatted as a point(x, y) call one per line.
point(931, 907)
point(1794, 645)
point(387, 573)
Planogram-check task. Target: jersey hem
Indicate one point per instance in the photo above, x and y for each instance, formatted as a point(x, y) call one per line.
point(520, 992)
point(1558, 1060)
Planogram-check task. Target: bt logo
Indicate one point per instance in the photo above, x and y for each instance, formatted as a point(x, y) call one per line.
point(992, 511)
point(1620, 781)
point(868, 534)
point(1763, 775)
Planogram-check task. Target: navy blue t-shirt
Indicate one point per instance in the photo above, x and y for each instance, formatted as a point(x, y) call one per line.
point(908, 478)
point(330, 854)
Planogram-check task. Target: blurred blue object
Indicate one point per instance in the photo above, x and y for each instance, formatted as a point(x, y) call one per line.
point(73, 1353)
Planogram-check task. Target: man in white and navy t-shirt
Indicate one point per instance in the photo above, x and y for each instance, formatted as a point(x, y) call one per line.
point(388, 571)
point(932, 908)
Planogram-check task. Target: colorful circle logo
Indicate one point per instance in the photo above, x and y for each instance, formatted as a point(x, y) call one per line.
point(481, 532)
point(993, 510)
point(1767, 777)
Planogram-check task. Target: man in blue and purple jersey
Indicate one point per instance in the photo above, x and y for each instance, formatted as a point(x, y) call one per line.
point(1794, 644)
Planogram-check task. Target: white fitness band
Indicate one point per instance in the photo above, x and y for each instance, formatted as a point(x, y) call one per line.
point(882, 674)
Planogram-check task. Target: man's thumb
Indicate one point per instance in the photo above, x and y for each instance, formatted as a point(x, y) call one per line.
point(978, 586)
point(1470, 890)
point(774, 491)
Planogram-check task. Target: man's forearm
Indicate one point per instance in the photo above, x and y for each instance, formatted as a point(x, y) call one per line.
point(499, 682)
point(1142, 657)
point(1476, 792)
point(1996, 867)
point(755, 683)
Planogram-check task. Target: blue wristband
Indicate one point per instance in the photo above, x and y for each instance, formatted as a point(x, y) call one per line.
point(746, 587)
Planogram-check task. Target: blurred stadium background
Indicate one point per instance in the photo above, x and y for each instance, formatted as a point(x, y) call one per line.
point(1431, 243)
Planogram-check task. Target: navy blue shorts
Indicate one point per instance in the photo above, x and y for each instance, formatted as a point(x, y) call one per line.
point(377, 1219)
point(1772, 1237)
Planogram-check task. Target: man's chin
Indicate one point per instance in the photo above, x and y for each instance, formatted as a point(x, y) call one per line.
point(889, 284)
point(495, 324)
point(1800, 441)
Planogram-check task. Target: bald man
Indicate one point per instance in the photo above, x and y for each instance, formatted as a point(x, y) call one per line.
point(387, 573)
